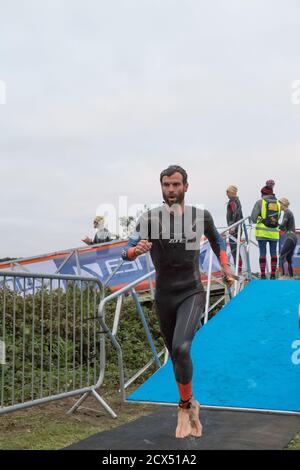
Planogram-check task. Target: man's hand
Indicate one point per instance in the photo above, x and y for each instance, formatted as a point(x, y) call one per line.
point(228, 276)
point(142, 247)
point(87, 240)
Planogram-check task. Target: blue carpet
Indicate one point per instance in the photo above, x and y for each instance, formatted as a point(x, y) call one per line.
point(247, 356)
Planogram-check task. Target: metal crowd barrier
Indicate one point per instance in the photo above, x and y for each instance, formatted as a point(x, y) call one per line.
point(52, 345)
point(112, 334)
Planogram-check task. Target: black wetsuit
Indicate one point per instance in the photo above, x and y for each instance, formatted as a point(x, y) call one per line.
point(288, 222)
point(180, 296)
point(290, 243)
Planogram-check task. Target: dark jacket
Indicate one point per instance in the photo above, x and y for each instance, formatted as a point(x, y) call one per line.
point(234, 211)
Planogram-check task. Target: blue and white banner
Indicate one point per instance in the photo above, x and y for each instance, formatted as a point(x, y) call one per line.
point(98, 261)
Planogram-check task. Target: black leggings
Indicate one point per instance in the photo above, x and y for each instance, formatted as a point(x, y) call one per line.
point(233, 248)
point(286, 255)
point(178, 323)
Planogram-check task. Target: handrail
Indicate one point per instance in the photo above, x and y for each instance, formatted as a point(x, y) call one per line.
point(123, 290)
point(240, 225)
point(64, 277)
point(101, 311)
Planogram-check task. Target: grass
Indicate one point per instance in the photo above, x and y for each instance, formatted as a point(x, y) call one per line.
point(42, 432)
point(48, 427)
point(294, 444)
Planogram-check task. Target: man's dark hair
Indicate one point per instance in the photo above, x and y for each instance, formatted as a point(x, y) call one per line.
point(174, 169)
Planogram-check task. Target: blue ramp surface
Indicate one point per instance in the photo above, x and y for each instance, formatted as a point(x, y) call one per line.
point(247, 356)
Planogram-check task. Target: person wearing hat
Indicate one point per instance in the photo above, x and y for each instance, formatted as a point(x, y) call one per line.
point(266, 214)
point(102, 235)
point(270, 184)
point(234, 214)
point(290, 243)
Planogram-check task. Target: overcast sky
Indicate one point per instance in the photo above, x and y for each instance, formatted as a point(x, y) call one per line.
point(102, 95)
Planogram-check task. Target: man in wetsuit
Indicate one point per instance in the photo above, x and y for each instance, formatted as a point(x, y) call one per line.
point(172, 234)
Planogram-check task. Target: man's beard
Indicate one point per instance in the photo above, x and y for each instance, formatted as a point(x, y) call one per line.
point(178, 200)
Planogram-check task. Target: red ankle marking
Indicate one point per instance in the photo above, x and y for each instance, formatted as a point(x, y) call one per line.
point(185, 391)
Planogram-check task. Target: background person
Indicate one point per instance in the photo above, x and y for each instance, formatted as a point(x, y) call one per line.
point(234, 214)
point(102, 235)
point(266, 214)
point(290, 243)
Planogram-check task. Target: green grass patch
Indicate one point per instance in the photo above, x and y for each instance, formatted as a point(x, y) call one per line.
point(48, 427)
point(42, 432)
point(294, 444)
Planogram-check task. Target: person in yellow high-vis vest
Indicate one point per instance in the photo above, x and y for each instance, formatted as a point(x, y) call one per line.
point(266, 214)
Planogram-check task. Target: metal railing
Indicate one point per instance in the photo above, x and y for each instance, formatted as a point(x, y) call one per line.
point(243, 244)
point(52, 345)
point(52, 339)
point(112, 333)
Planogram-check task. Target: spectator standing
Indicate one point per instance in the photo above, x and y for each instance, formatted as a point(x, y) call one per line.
point(102, 235)
point(234, 214)
point(266, 214)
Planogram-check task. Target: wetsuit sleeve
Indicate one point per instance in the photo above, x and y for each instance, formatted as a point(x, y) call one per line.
point(140, 233)
point(128, 253)
point(216, 242)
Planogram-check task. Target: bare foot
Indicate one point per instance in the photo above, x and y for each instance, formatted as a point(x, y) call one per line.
point(183, 424)
point(196, 426)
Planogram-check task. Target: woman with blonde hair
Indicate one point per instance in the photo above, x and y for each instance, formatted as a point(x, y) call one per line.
point(234, 214)
point(102, 235)
point(290, 243)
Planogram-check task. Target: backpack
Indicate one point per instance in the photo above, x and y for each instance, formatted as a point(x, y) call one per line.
point(271, 219)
